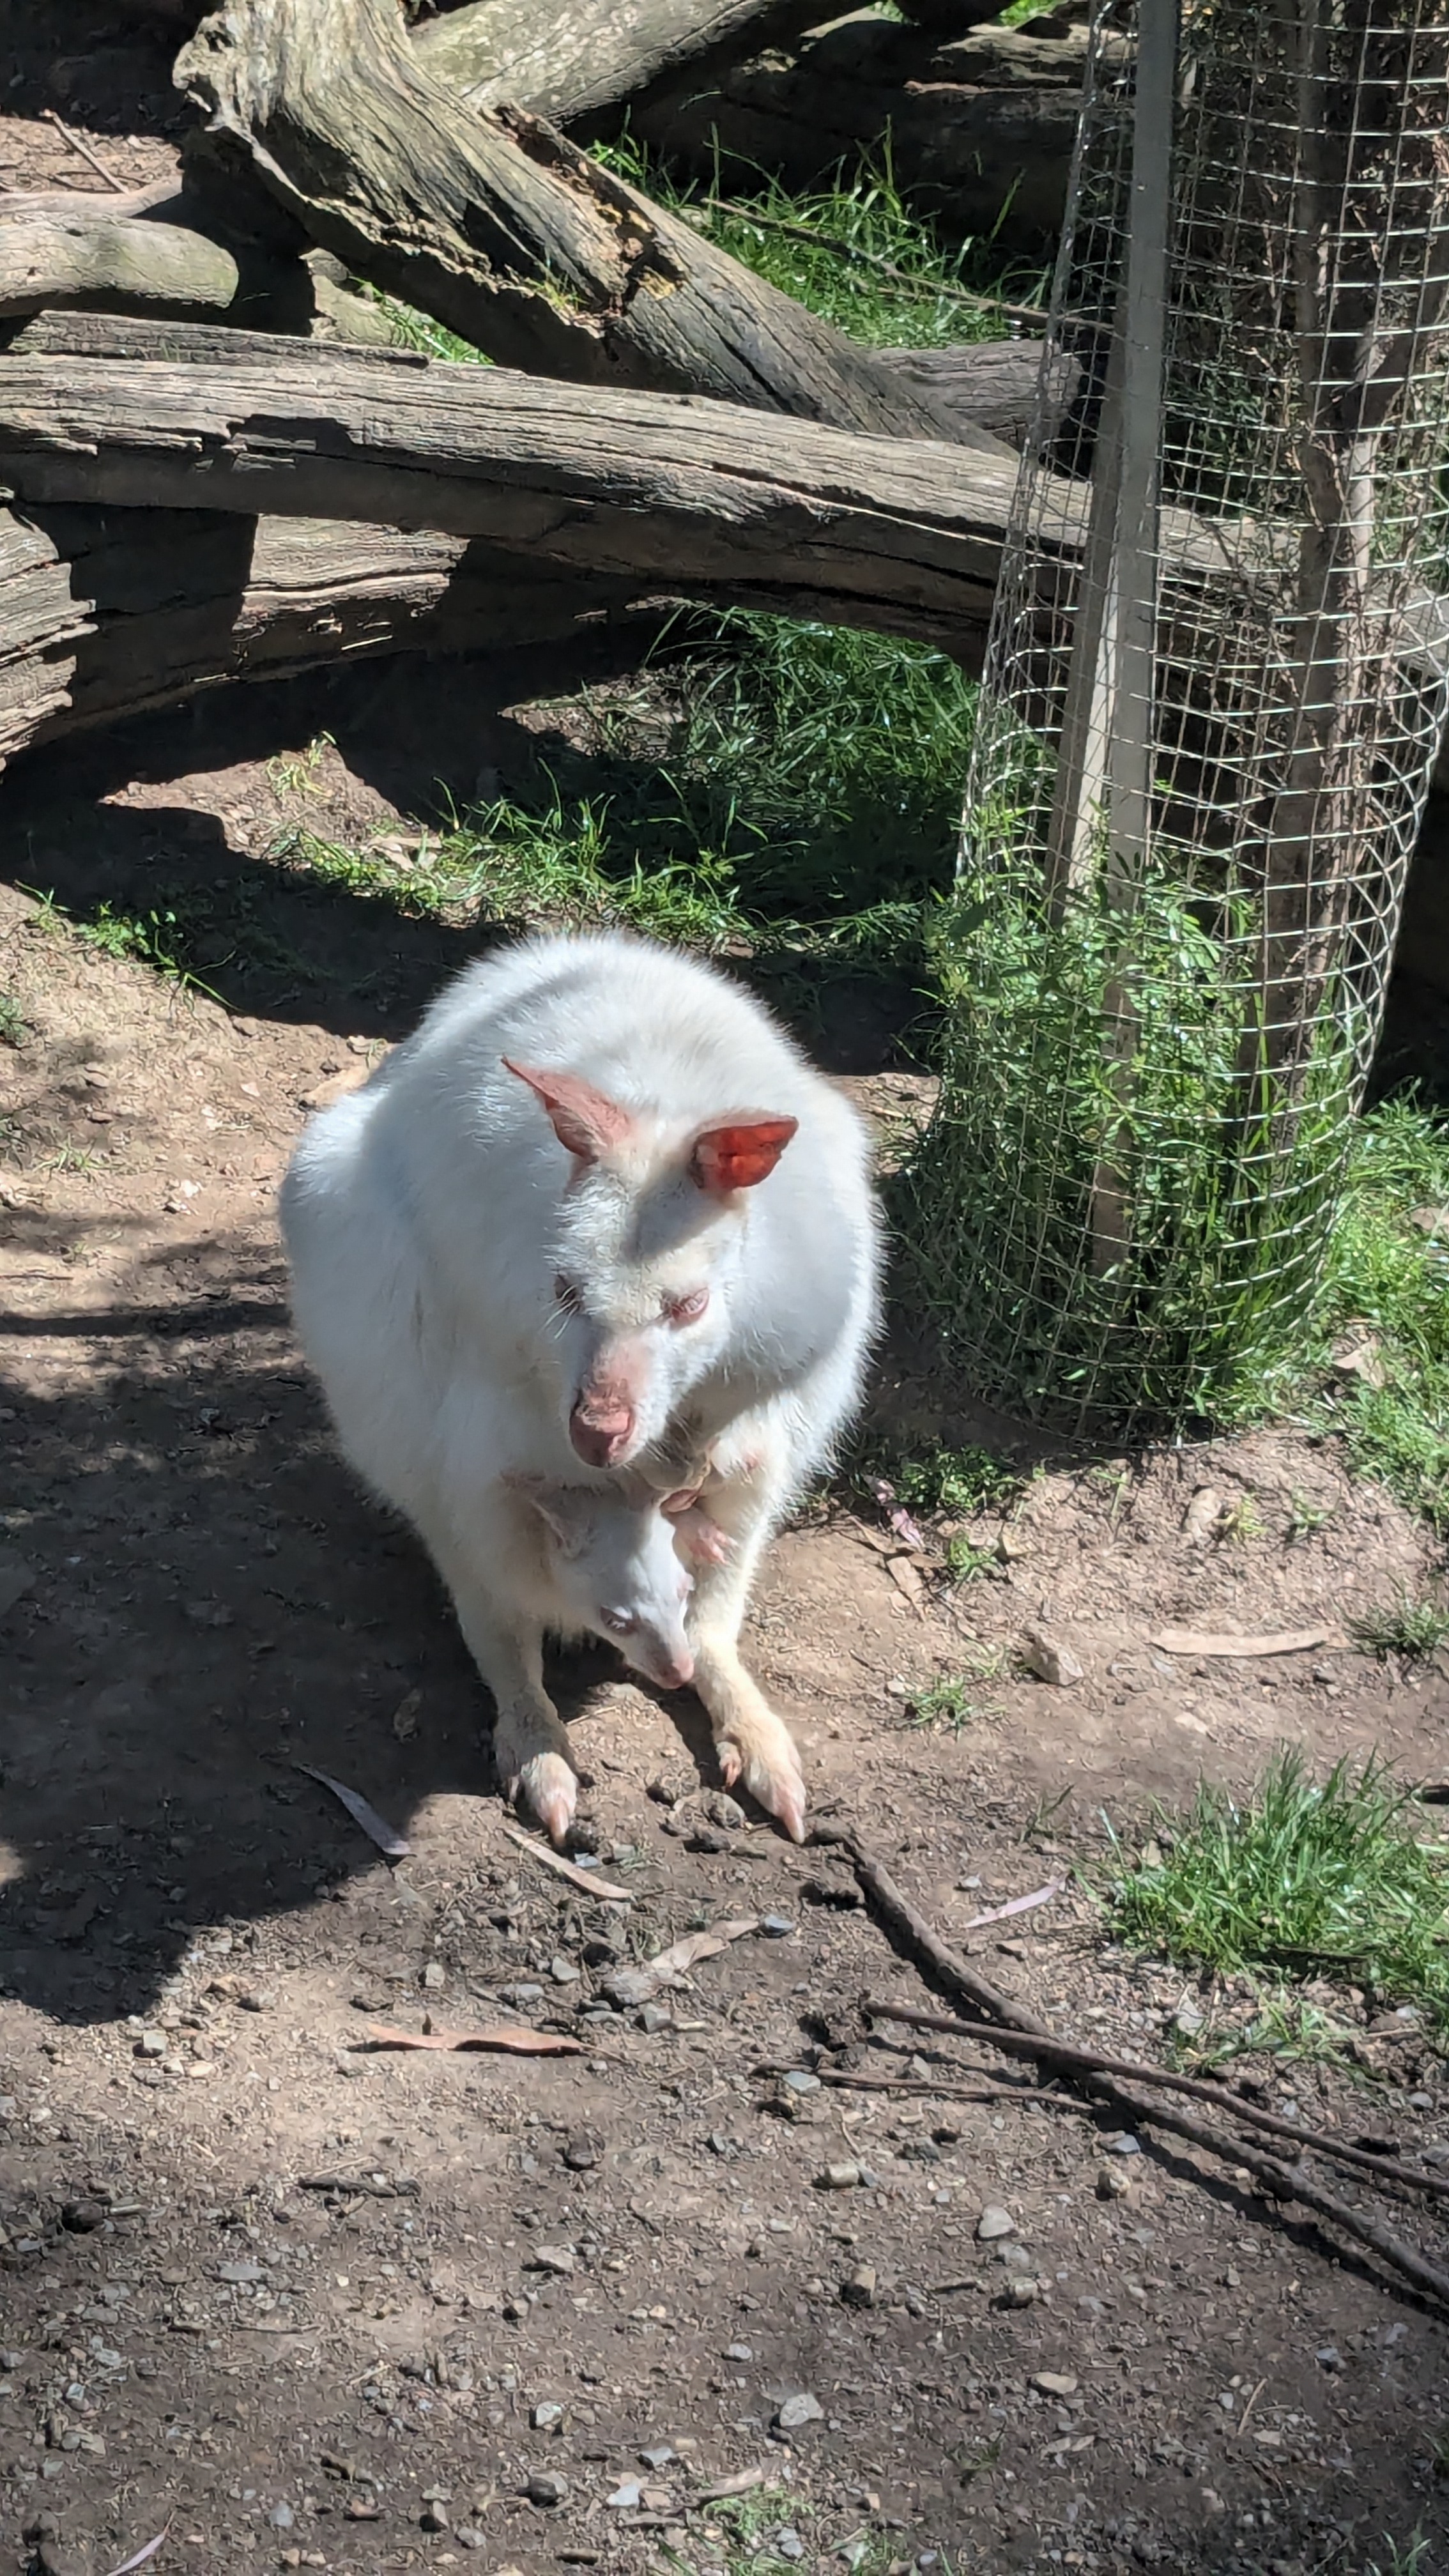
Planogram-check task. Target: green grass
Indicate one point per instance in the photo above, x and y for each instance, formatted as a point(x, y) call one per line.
point(1313, 1879)
point(929, 1476)
point(951, 1701)
point(164, 936)
point(1402, 1627)
point(14, 1027)
point(852, 251)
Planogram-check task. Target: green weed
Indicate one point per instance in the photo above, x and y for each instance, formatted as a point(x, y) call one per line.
point(950, 1702)
point(1312, 1878)
point(930, 1476)
point(965, 1561)
point(1403, 1627)
point(14, 1027)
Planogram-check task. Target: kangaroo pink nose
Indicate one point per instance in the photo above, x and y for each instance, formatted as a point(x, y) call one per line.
point(600, 1429)
point(672, 1671)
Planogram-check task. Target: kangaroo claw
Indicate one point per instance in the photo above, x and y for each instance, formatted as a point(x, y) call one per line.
point(547, 1789)
point(778, 1788)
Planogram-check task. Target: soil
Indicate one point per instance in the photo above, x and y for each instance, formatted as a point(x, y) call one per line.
point(297, 2300)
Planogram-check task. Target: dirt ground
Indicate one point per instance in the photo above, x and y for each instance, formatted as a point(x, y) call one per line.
point(300, 2302)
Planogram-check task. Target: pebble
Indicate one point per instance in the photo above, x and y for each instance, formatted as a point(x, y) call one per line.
point(655, 2017)
point(1014, 2256)
point(625, 2498)
point(544, 2417)
point(435, 1975)
point(994, 2222)
point(776, 1927)
point(858, 2291)
point(546, 2488)
point(659, 2455)
point(581, 2152)
point(1053, 2383)
point(798, 2079)
point(1112, 2182)
point(1050, 1659)
point(468, 2537)
point(563, 1971)
point(739, 2352)
point(789, 2544)
point(152, 2043)
point(281, 2517)
point(1123, 2144)
point(1020, 2291)
point(241, 2271)
point(551, 2258)
point(838, 2178)
point(798, 2410)
point(724, 1810)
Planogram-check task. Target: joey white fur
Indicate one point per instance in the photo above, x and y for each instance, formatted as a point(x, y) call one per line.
point(598, 1224)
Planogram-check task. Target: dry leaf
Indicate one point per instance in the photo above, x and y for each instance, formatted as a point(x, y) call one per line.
point(507, 2035)
point(374, 1825)
point(587, 1879)
point(631, 1986)
point(1356, 1354)
point(141, 2556)
point(1016, 1905)
point(1430, 1220)
point(405, 1717)
point(896, 1513)
point(740, 2484)
point(1200, 1520)
point(1202, 1641)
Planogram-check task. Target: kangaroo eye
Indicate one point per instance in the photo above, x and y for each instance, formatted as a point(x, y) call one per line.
point(618, 1623)
point(567, 1295)
point(687, 1310)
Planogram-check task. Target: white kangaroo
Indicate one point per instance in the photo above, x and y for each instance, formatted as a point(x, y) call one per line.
point(599, 1209)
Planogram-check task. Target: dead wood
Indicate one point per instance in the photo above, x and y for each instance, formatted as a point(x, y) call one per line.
point(1007, 2018)
point(567, 63)
point(57, 259)
point(702, 498)
point(504, 231)
point(88, 205)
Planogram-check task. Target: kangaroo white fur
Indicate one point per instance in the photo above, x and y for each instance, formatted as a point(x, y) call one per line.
point(598, 1211)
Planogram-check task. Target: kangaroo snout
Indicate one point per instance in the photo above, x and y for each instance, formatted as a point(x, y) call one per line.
point(601, 1430)
point(671, 1668)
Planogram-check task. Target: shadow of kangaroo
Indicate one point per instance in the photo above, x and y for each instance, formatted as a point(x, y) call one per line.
point(598, 1213)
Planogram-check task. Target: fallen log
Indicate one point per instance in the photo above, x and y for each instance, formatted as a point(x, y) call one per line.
point(572, 62)
point(52, 259)
point(503, 230)
point(971, 130)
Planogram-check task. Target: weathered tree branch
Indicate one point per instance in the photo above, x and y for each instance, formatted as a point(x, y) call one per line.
point(54, 259)
point(504, 231)
point(567, 63)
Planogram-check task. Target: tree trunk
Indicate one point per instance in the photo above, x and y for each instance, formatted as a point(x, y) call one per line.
point(504, 231)
point(571, 62)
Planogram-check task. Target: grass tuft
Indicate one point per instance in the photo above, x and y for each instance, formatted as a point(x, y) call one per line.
point(1403, 1627)
point(1329, 1879)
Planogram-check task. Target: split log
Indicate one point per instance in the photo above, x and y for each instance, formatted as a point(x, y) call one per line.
point(570, 62)
point(995, 385)
point(703, 497)
point(503, 230)
point(50, 260)
point(90, 205)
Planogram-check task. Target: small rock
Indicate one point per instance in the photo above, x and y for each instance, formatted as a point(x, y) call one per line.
point(625, 2498)
point(724, 1810)
point(838, 2178)
point(1020, 2291)
point(656, 2017)
point(80, 2216)
point(1050, 1658)
point(545, 2416)
point(1112, 2182)
point(858, 2291)
point(789, 2544)
point(563, 1971)
point(992, 2223)
point(551, 2258)
point(798, 2079)
point(1187, 2021)
point(739, 2352)
point(1013, 2256)
point(1200, 1520)
point(659, 2455)
point(434, 2517)
point(798, 2410)
point(281, 2517)
point(776, 1927)
point(435, 1976)
point(242, 2272)
point(1328, 2357)
point(1123, 2144)
point(582, 2152)
point(152, 2043)
point(545, 2488)
point(468, 2536)
point(1053, 2383)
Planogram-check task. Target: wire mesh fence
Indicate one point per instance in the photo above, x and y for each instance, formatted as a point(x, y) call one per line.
point(1214, 690)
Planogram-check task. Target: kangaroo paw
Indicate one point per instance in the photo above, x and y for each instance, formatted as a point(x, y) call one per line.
point(774, 1779)
point(546, 1789)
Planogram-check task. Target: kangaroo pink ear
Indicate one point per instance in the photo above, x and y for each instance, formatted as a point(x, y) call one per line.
point(585, 1121)
point(739, 1153)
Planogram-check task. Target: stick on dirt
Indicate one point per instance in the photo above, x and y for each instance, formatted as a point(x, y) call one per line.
point(1280, 2181)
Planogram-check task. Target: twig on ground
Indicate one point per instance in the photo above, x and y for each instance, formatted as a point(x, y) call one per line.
point(603, 1888)
point(84, 149)
point(1279, 2180)
point(1067, 2055)
point(843, 249)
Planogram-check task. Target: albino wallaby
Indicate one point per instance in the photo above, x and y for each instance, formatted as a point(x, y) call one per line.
point(555, 1227)
point(613, 1564)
